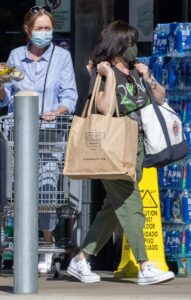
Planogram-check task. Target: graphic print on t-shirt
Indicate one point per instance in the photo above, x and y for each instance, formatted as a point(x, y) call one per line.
point(132, 95)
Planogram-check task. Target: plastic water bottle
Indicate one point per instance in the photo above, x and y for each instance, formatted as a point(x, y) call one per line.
point(175, 175)
point(165, 75)
point(166, 235)
point(181, 73)
point(178, 241)
point(155, 38)
point(175, 241)
point(157, 68)
point(162, 35)
point(163, 177)
point(186, 206)
point(183, 39)
point(188, 109)
point(152, 63)
point(175, 171)
point(168, 198)
point(160, 70)
point(162, 193)
point(3, 237)
point(184, 109)
point(171, 39)
point(188, 239)
point(188, 173)
point(187, 132)
point(177, 103)
point(187, 72)
point(173, 73)
point(177, 208)
point(8, 230)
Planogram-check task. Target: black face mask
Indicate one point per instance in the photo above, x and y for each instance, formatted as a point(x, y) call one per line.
point(130, 53)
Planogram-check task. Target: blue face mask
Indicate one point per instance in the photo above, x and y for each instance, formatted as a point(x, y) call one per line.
point(41, 39)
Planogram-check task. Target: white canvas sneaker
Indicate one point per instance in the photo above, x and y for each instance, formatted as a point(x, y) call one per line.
point(82, 270)
point(151, 275)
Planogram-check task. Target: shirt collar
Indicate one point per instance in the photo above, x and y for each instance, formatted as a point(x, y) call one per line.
point(45, 55)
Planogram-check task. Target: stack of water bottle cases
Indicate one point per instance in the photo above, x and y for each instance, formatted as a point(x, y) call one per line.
point(171, 65)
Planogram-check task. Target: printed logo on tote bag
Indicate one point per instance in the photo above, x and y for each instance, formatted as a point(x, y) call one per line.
point(175, 128)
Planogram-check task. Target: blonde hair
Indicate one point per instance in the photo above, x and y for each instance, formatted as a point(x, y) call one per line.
point(30, 19)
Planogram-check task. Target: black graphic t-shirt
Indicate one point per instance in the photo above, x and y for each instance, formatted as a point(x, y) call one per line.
point(130, 91)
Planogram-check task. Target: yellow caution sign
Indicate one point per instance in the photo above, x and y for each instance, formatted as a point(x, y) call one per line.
point(152, 231)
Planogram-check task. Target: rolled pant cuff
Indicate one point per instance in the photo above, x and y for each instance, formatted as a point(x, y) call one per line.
point(88, 252)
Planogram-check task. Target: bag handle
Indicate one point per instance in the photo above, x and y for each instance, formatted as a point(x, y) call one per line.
point(95, 92)
point(87, 105)
point(84, 112)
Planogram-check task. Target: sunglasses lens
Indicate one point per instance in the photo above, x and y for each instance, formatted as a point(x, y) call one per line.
point(46, 8)
point(34, 10)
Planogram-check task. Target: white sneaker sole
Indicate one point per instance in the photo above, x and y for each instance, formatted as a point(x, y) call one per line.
point(44, 271)
point(84, 279)
point(156, 279)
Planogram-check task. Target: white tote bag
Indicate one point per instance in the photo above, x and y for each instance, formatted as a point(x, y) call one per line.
point(164, 139)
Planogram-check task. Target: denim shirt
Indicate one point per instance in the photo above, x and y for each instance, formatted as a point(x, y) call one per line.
point(60, 85)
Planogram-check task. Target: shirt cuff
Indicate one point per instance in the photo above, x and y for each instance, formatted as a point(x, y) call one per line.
point(69, 104)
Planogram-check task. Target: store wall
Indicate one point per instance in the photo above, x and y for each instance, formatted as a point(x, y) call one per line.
point(90, 18)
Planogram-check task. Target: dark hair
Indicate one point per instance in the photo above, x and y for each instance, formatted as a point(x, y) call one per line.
point(114, 40)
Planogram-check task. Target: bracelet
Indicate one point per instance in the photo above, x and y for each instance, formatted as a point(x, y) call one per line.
point(152, 83)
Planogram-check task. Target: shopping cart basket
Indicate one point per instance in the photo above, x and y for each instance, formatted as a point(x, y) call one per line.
point(54, 187)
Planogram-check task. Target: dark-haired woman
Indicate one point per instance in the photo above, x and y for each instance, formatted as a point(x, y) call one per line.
point(48, 70)
point(114, 55)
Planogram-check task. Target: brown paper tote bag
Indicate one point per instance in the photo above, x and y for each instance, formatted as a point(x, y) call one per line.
point(102, 146)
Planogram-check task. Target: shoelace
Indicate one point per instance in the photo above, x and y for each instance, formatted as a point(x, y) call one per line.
point(151, 265)
point(85, 266)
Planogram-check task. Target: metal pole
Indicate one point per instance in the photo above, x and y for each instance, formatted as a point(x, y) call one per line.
point(185, 10)
point(26, 193)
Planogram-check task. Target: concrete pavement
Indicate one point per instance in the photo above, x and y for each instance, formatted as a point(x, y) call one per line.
point(67, 288)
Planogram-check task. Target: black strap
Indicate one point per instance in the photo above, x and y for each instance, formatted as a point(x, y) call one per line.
point(45, 80)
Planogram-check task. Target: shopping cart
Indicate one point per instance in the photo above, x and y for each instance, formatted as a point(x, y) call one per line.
point(54, 188)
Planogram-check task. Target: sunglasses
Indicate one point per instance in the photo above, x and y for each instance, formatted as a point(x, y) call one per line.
point(35, 9)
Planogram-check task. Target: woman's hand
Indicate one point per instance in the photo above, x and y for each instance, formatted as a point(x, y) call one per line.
point(49, 116)
point(104, 69)
point(52, 115)
point(143, 70)
point(158, 90)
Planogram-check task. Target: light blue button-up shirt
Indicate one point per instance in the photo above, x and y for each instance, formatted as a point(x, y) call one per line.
point(60, 85)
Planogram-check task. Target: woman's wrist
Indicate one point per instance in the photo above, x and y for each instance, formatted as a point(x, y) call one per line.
point(152, 83)
point(56, 113)
point(61, 110)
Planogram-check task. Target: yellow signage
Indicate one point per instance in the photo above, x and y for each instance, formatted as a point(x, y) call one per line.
point(152, 231)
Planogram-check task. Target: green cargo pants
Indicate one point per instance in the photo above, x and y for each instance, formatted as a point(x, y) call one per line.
point(122, 205)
